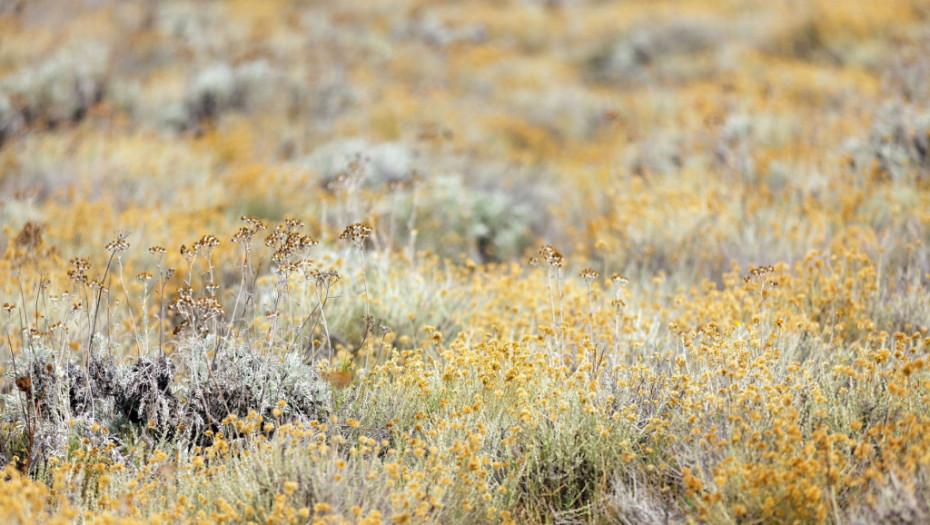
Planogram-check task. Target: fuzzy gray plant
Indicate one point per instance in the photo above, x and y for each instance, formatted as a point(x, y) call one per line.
point(898, 143)
point(10, 120)
point(179, 398)
point(634, 56)
point(53, 401)
point(238, 381)
point(631, 501)
point(221, 87)
point(61, 87)
point(896, 502)
point(494, 223)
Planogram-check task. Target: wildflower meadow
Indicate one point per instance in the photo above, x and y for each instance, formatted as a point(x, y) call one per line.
point(431, 262)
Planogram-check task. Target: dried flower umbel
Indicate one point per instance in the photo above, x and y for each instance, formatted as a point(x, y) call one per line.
point(759, 280)
point(115, 247)
point(356, 234)
point(548, 256)
point(620, 281)
point(551, 260)
point(118, 245)
point(288, 243)
point(201, 313)
point(589, 275)
point(78, 271)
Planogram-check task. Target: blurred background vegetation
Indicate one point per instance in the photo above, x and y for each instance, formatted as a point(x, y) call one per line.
point(684, 144)
point(670, 136)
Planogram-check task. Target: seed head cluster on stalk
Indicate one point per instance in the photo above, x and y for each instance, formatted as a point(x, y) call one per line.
point(323, 313)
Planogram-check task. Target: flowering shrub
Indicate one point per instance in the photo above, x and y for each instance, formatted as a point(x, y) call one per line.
point(581, 262)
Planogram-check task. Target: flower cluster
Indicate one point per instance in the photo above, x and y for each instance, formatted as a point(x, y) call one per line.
point(119, 244)
point(287, 242)
point(78, 271)
point(548, 256)
point(356, 233)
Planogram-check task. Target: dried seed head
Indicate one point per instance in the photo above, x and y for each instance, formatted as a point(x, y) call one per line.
point(287, 243)
point(78, 271)
point(307, 241)
point(244, 235)
point(209, 307)
point(80, 264)
point(321, 277)
point(619, 280)
point(277, 237)
point(357, 233)
point(119, 244)
point(758, 274)
point(285, 267)
point(589, 274)
point(208, 242)
point(204, 247)
point(185, 296)
point(253, 223)
point(549, 255)
point(293, 224)
point(157, 250)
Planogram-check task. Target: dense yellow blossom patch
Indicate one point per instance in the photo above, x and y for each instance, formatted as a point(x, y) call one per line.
point(465, 262)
